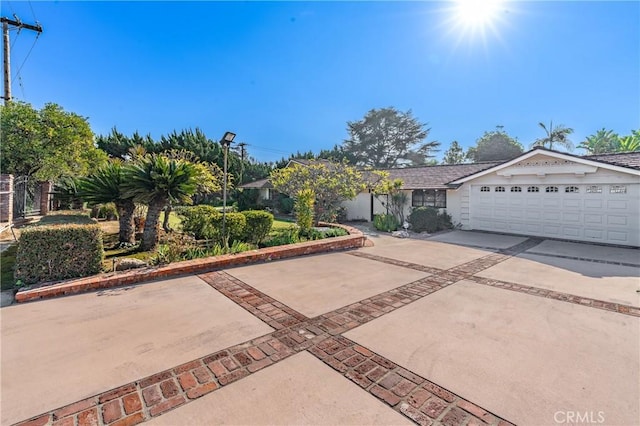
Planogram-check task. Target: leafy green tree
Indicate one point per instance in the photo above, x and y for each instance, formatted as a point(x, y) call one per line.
point(629, 143)
point(496, 145)
point(157, 180)
point(46, 143)
point(332, 183)
point(118, 145)
point(601, 141)
point(105, 186)
point(454, 155)
point(558, 135)
point(387, 138)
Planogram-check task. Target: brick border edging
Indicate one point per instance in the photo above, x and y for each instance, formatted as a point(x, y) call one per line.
point(355, 239)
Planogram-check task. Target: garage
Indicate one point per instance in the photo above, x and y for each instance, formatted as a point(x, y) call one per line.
point(599, 213)
point(556, 195)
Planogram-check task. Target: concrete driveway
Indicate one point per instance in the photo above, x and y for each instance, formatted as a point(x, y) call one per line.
point(462, 328)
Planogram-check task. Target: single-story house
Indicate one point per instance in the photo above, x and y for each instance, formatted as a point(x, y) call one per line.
point(542, 193)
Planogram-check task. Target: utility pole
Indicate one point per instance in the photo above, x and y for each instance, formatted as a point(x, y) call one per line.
point(242, 151)
point(17, 23)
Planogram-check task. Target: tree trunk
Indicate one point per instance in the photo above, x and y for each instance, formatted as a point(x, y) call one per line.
point(127, 232)
point(165, 222)
point(150, 234)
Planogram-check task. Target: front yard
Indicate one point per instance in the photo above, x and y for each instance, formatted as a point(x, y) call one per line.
point(174, 246)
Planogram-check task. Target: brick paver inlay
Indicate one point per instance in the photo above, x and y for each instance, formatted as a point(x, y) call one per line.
point(422, 401)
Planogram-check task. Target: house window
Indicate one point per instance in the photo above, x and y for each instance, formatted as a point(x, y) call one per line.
point(516, 189)
point(571, 189)
point(618, 189)
point(551, 189)
point(429, 198)
point(533, 189)
point(485, 189)
point(594, 189)
point(499, 188)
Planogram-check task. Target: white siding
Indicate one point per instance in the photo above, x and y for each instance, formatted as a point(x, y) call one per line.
point(454, 199)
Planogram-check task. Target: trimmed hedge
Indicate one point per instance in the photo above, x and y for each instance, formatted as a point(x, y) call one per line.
point(49, 253)
point(258, 225)
point(205, 223)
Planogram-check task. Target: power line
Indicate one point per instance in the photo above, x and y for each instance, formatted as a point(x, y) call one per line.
point(26, 57)
point(268, 149)
point(33, 12)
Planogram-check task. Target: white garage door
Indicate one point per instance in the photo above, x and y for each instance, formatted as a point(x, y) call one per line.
point(598, 213)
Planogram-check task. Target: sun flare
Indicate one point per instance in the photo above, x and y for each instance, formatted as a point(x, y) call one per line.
point(477, 13)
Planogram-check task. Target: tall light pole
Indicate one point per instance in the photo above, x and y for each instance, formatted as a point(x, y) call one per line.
point(225, 142)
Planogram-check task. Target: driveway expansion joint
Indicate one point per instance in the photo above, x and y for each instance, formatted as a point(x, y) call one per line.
point(408, 393)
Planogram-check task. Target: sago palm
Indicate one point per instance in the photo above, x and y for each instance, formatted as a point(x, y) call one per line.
point(558, 135)
point(156, 180)
point(104, 186)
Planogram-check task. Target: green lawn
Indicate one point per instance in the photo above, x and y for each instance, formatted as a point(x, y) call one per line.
point(281, 224)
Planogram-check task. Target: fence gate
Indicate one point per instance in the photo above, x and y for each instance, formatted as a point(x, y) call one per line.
point(26, 197)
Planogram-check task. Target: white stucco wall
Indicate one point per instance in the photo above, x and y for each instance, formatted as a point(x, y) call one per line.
point(359, 208)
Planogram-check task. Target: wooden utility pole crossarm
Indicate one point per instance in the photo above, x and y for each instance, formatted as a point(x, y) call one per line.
point(17, 23)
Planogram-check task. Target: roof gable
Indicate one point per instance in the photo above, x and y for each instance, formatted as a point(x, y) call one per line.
point(541, 161)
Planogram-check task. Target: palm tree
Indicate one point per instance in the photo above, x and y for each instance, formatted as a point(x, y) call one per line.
point(630, 143)
point(555, 135)
point(602, 141)
point(103, 186)
point(156, 181)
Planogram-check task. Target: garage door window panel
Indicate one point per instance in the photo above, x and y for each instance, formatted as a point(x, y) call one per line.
point(533, 189)
point(516, 189)
point(571, 189)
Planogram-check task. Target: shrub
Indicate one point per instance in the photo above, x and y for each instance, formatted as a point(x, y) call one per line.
point(47, 253)
point(259, 224)
point(106, 211)
point(282, 237)
point(320, 234)
point(385, 222)
point(304, 209)
point(205, 223)
point(199, 221)
point(429, 219)
point(236, 224)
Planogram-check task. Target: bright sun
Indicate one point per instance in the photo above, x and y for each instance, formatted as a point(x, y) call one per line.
point(476, 14)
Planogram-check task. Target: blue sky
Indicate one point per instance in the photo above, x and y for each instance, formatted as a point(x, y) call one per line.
point(287, 76)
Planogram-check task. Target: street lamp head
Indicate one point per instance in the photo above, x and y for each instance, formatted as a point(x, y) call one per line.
point(228, 138)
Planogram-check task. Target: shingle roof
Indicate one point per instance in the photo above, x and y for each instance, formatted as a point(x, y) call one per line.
point(435, 177)
point(258, 184)
point(622, 159)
